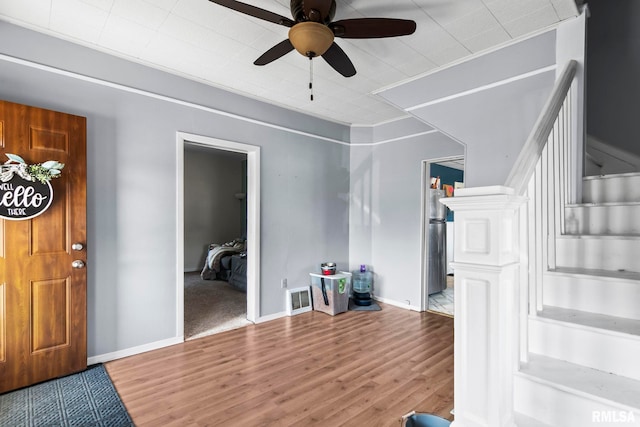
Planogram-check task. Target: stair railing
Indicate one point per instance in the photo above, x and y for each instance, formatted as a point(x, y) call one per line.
point(547, 172)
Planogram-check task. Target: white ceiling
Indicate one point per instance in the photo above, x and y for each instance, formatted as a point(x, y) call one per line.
point(209, 43)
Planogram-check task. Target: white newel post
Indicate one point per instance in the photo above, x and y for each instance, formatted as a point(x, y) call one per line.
point(486, 263)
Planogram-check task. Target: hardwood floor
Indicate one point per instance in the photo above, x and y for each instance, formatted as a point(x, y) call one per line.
point(354, 369)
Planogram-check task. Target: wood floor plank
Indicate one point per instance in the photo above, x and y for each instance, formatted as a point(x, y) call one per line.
point(356, 368)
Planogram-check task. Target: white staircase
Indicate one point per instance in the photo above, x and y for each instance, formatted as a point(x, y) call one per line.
point(583, 365)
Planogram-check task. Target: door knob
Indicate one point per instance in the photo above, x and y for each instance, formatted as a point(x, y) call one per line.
point(78, 263)
point(77, 246)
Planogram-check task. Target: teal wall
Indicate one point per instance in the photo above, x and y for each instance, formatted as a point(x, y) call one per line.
point(447, 176)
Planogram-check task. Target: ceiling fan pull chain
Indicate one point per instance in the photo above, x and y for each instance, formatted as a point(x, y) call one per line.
point(311, 76)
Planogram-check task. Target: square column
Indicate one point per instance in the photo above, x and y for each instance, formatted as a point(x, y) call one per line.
point(486, 270)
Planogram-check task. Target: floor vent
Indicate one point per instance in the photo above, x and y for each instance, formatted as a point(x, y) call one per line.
point(298, 300)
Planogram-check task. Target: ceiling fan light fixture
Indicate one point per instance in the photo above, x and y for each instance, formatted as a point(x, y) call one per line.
point(311, 38)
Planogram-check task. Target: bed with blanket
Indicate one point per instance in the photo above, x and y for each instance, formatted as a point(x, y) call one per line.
point(227, 261)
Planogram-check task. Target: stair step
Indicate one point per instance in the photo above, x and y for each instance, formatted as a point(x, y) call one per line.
point(592, 320)
point(612, 293)
point(602, 252)
point(606, 343)
point(611, 188)
point(603, 219)
point(560, 393)
point(524, 421)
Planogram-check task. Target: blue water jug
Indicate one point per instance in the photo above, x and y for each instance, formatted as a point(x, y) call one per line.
point(362, 282)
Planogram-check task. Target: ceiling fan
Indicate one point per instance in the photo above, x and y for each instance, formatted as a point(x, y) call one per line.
point(312, 31)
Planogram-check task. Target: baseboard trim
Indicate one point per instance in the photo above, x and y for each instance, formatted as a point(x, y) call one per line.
point(107, 357)
point(270, 317)
point(397, 304)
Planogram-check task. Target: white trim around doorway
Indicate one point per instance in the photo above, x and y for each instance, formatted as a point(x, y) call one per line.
point(253, 220)
point(426, 182)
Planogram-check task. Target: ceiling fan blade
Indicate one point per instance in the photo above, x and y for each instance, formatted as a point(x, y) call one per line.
point(256, 12)
point(339, 61)
point(317, 10)
point(371, 28)
point(278, 51)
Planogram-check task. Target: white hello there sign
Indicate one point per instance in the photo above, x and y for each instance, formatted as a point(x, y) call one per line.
point(25, 190)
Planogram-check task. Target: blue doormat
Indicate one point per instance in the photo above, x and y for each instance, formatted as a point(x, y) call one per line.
point(87, 398)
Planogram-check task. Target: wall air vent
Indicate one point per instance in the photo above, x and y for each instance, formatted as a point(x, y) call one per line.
point(298, 300)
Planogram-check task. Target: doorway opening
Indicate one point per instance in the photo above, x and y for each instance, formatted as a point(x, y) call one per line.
point(440, 179)
point(217, 241)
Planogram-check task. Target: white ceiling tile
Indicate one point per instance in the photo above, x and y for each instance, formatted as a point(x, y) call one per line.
point(438, 46)
point(201, 71)
point(486, 40)
point(281, 7)
point(125, 36)
point(509, 10)
point(392, 52)
point(350, 6)
point(370, 65)
point(539, 19)
point(360, 83)
point(105, 5)
point(77, 19)
point(432, 38)
point(449, 11)
point(174, 54)
point(189, 32)
point(259, 76)
point(565, 8)
point(230, 50)
point(34, 12)
point(374, 9)
point(163, 4)
point(140, 12)
point(412, 66)
point(472, 24)
point(203, 13)
point(376, 111)
point(448, 55)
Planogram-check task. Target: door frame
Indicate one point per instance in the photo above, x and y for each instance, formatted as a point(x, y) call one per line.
point(253, 220)
point(424, 225)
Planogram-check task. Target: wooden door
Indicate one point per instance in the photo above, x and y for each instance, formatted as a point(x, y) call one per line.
point(43, 329)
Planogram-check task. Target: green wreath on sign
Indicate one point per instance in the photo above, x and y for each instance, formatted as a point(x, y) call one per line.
point(42, 172)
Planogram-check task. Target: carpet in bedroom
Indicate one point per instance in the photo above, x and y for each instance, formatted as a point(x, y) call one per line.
point(212, 306)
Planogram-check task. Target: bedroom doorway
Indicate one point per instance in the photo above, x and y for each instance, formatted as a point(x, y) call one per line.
point(223, 216)
point(440, 179)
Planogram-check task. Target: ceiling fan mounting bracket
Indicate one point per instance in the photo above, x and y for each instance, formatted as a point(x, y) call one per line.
point(313, 13)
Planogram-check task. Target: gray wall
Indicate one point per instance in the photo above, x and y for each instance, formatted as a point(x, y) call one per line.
point(397, 189)
point(212, 213)
point(613, 67)
point(131, 182)
point(494, 122)
point(385, 217)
